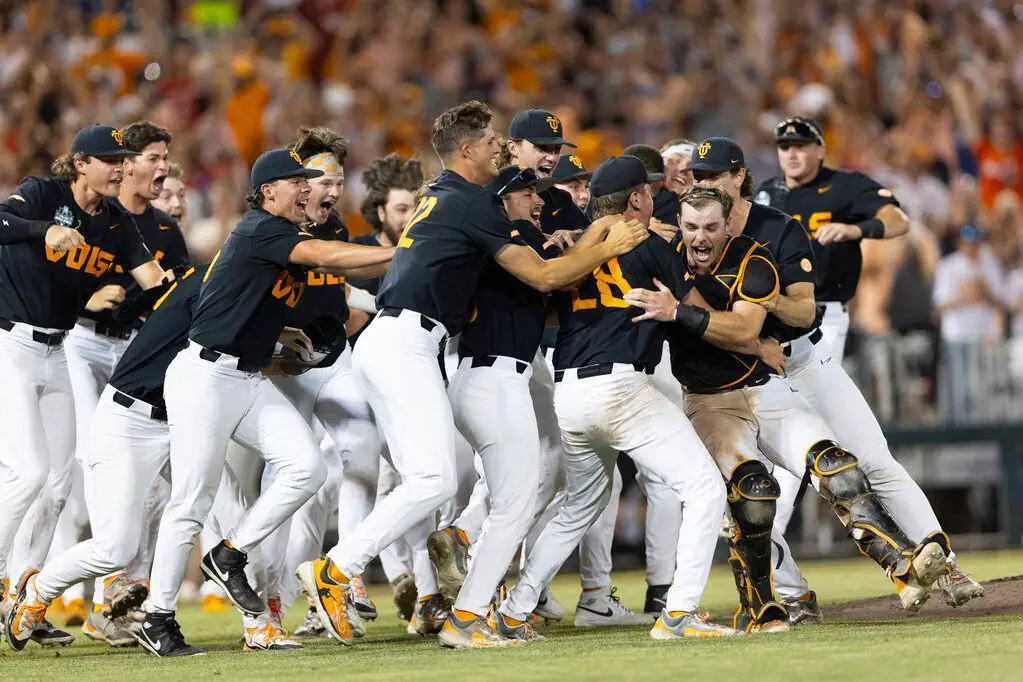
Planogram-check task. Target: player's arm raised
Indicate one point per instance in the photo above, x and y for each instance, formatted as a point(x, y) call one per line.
point(598, 245)
point(338, 257)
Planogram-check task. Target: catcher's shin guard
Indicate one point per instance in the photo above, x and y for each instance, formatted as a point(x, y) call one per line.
point(844, 485)
point(752, 499)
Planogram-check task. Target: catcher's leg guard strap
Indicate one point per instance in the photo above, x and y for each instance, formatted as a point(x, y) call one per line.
point(752, 497)
point(845, 486)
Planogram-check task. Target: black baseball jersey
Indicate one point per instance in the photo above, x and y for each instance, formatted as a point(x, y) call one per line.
point(441, 253)
point(596, 322)
point(745, 271)
point(508, 315)
point(46, 288)
point(163, 237)
point(250, 292)
point(560, 212)
point(141, 370)
point(370, 284)
point(324, 294)
point(666, 207)
point(834, 196)
point(789, 244)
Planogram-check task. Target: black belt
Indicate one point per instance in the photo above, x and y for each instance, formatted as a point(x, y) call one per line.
point(600, 370)
point(757, 381)
point(125, 400)
point(114, 331)
point(815, 337)
point(491, 360)
point(425, 322)
point(37, 336)
point(212, 356)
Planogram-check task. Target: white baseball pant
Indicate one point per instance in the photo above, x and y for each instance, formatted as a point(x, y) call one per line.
point(494, 412)
point(600, 417)
point(37, 409)
point(396, 558)
point(396, 361)
point(206, 404)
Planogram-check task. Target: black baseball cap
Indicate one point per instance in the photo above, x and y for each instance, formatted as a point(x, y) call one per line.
point(619, 173)
point(539, 127)
point(569, 167)
point(799, 129)
point(100, 141)
point(513, 178)
point(717, 155)
point(278, 164)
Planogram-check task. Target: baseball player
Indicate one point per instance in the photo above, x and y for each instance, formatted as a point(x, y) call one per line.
point(58, 236)
point(173, 198)
point(424, 297)
point(248, 293)
point(678, 163)
point(840, 208)
point(739, 410)
point(570, 175)
point(606, 404)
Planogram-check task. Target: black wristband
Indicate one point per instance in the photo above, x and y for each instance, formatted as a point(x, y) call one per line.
point(872, 229)
point(38, 229)
point(692, 318)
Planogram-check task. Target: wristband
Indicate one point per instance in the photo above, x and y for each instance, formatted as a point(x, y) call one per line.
point(692, 318)
point(872, 229)
point(37, 229)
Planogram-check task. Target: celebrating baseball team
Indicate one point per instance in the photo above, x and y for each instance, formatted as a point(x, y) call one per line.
point(454, 388)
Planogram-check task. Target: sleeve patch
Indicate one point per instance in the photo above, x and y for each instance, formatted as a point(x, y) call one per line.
point(806, 265)
point(886, 193)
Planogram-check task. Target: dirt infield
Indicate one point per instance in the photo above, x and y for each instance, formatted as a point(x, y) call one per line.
point(1002, 597)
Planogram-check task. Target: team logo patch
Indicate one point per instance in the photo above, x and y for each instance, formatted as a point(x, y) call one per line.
point(554, 123)
point(806, 265)
point(791, 130)
point(703, 150)
point(763, 198)
point(576, 161)
point(64, 217)
point(886, 193)
point(295, 156)
point(118, 138)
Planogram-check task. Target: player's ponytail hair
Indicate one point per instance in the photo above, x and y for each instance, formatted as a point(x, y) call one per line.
point(64, 166)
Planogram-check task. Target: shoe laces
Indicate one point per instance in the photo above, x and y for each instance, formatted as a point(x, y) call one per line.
point(359, 589)
point(265, 635)
point(955, 575)
point(172, 631)
point(33, 616)
point(616, 603)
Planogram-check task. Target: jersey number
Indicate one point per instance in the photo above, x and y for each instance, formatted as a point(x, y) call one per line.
point(288, 289)
point(817, 220)
point(424, 208)
point(605, 280)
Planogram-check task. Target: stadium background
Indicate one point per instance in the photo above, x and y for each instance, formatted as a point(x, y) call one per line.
point(923, 95)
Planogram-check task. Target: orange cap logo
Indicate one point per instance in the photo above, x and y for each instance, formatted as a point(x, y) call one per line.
point(118, 138)
point(703, 150)
point(576, 161)
point(554, 123)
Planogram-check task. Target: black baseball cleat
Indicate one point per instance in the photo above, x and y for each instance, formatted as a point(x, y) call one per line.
point(656, 599)
point(225, 566)
point(161, 635)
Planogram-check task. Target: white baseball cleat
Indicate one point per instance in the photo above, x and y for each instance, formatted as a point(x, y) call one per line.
point(602, 608)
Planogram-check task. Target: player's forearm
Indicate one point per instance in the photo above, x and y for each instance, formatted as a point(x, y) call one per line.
point(895, 223)
point(573, 266)
point(732, 331)
point(369, 271)
point(796, 312)
point(343, 258)
point(14, 229)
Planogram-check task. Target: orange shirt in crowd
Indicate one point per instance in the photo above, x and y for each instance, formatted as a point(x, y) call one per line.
point(245, 116)
point(998, 170)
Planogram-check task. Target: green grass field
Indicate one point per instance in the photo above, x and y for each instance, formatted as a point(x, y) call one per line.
point(981, 648)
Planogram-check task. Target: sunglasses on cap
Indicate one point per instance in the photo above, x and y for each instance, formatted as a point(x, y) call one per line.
point(796, 127)
point(524, 178)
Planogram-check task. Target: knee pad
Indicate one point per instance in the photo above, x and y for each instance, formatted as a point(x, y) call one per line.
point(752, 498)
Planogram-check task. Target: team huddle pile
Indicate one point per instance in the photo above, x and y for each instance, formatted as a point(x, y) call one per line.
point(698, 333)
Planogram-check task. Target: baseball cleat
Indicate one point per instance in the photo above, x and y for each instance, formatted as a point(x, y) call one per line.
point(161, 636)
point(27, 614)
point(122, 595)
point(214, 603)
point(804, 609)
point(927, 566)
point(74, 612)
point(100, 627)
point(431, 613)
point(319, 581)
point(771, 627)
point(509, 628)
point(225, 566)
point(268, 638)
point(449, 552)
point(363, 604)
point(683, 624)
point(549, 608)
point(46, 635)
point(404, 587)
point(958, 586)
point(311, 626)
point(472, 633)
point(656, 599)
point(411, 627)
point(601, 608)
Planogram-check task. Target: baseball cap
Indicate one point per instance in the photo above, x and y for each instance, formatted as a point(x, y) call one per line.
point(513, 178)
point(539, 127)
point(102, 141)
point(569, 167)
point(278, 164)
point(971, 234)
point(619, 173)
point(717, 155)
point(798, 129)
